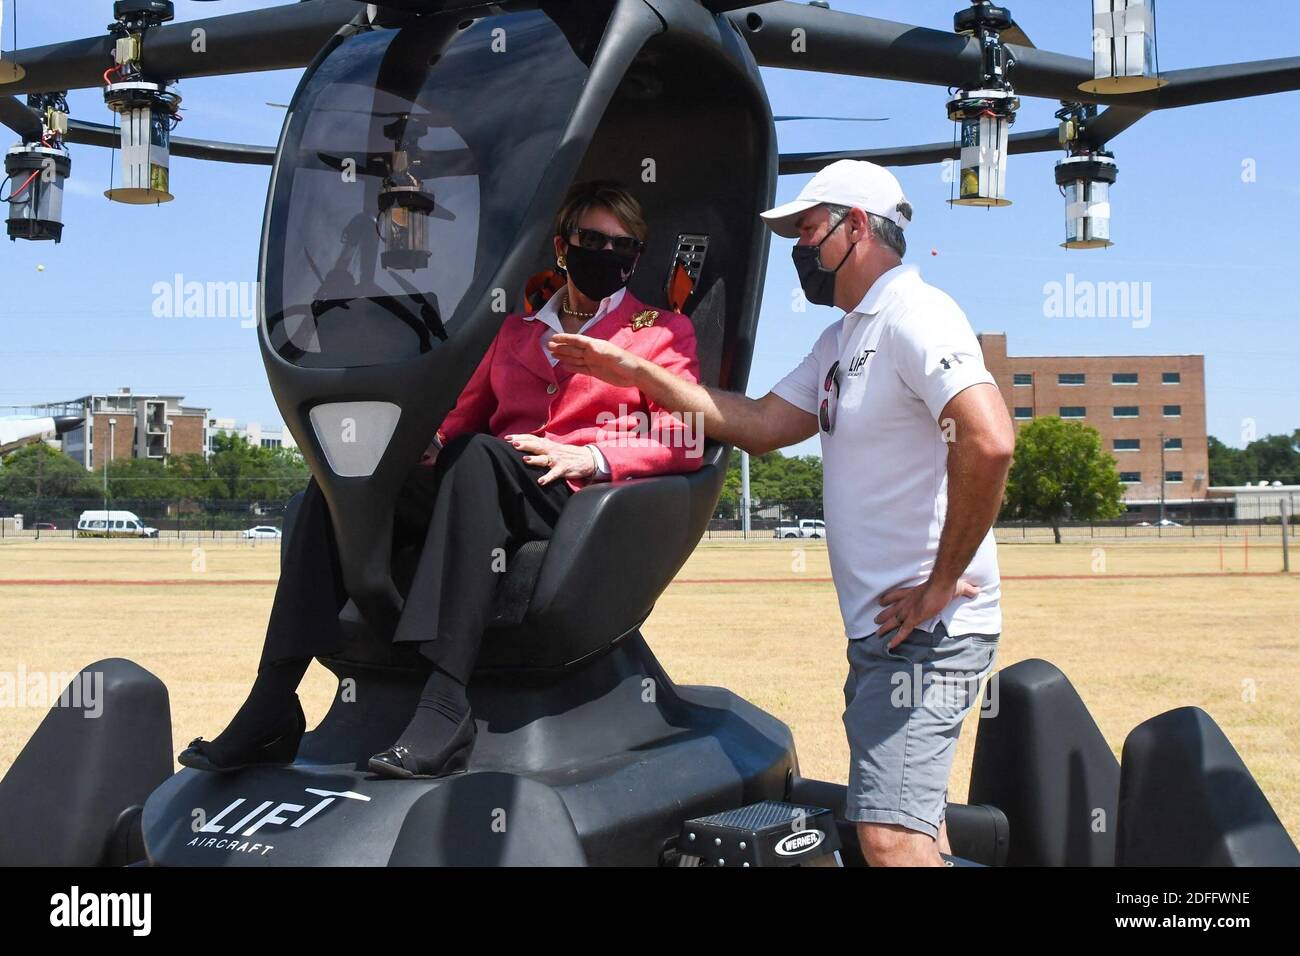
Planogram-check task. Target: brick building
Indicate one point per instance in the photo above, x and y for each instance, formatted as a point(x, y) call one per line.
point(123, 424)
point(252, 432)
point(1132, 400)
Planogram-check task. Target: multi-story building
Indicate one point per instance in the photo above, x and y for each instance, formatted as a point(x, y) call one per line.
point(124, 424)
point(252, 432)
point(1138, 403)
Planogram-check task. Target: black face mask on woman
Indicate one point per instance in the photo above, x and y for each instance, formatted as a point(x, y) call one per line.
point(597, 272)
point(818, 282)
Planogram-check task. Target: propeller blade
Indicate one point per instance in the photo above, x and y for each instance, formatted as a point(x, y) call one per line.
point(854, 45)
point(1013, 34)
point(99, 134)
point(20, 118)
point(446, 162)
point(835, 119)
point(275, 38)
point(1037, 141)
point(1111, 122)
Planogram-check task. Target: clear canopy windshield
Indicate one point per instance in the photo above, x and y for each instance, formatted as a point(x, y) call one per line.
point(408, 164)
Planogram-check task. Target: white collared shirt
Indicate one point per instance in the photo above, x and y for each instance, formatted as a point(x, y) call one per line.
point(903, 353)
point(549, 316)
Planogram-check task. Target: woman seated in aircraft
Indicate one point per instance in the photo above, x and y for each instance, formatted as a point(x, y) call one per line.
point(523, 437)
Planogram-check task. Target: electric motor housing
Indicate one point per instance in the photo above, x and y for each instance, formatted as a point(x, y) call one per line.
point(36, 174)
point(1086, 180)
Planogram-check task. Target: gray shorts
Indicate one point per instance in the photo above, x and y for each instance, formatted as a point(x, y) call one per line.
point(903, 710)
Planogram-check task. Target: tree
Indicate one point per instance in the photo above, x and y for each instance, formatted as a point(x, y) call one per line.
point(240, 469)
point(1228, 466)
point(39, 471)
point(1271, 458)
point(142, 479)
point(1059, 470)
point(774, 477)
point(1275, 457)
point(194, 478)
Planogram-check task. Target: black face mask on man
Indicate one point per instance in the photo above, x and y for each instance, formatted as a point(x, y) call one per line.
point(598, 272)
point(818, 282)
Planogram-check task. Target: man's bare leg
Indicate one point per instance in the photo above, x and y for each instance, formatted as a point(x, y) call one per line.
point(944, 845)
point(887, 844)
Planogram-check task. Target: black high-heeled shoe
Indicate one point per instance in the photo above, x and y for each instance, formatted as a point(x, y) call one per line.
point(400, 761)
point(279, 746)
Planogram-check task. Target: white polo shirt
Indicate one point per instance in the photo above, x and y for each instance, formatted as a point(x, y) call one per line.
point(903, 353)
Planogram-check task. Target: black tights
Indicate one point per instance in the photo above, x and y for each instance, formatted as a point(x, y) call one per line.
point(479, 502)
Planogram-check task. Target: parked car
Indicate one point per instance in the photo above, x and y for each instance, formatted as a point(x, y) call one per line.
point(113, 524)
point(262, 531)
point(44, 526)
point(806, 528)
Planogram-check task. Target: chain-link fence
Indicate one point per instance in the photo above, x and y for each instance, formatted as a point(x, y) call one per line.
point(1188, 528)
point(180, 518)
point(795, 518)
point(804, 518)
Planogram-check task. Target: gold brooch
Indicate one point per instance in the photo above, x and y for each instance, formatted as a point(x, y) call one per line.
point(644, 319)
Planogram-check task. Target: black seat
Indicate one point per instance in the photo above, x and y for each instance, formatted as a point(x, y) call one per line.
point(566, 599)
point(618, 545)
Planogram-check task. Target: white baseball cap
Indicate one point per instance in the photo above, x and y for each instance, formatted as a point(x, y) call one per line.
point(845, 182)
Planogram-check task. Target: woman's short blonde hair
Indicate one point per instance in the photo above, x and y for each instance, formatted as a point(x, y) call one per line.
point(600, 192)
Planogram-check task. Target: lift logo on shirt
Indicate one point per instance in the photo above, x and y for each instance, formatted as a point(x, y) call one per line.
point(859, 361)
point(948, 360)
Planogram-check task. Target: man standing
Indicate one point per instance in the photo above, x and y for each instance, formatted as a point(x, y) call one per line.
point(916, 444)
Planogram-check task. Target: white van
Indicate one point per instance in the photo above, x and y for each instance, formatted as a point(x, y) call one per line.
point(113, 524)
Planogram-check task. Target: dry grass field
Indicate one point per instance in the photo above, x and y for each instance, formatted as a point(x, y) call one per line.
point(1138, 626)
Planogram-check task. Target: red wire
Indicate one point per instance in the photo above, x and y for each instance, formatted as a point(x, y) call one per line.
point(15, 193)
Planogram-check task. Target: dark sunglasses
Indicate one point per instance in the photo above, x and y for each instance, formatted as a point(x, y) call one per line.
point(826, 414)
point(595, 239)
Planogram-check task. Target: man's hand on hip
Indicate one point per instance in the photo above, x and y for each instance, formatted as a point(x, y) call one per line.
point(906, 608)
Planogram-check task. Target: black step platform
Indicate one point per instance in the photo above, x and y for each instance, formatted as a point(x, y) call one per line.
point(769, 833)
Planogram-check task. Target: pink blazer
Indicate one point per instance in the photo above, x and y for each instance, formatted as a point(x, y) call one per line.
point(515, 391)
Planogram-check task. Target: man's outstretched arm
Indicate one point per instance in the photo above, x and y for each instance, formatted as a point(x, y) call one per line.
point(756, 425)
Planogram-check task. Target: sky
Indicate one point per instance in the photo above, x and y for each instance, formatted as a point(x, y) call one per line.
point(1204, 221)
